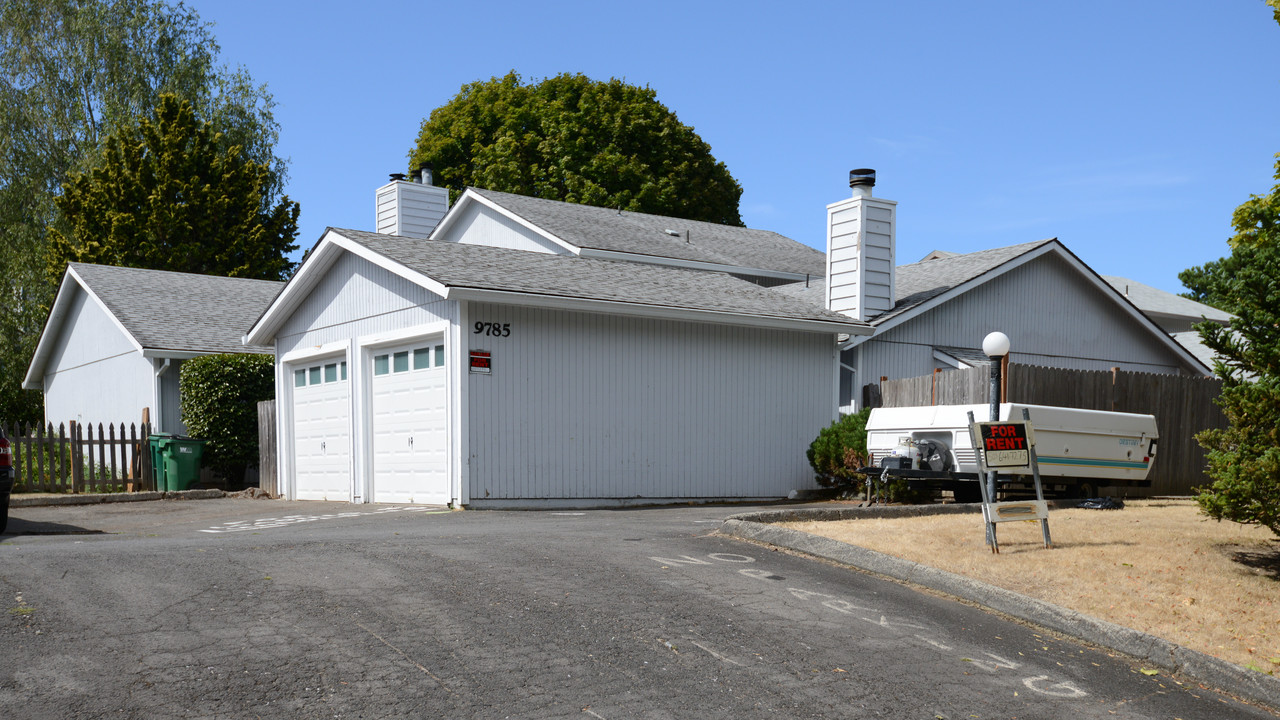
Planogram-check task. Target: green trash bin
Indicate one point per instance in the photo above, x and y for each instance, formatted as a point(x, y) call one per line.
point(181, 461)
point(158, 478)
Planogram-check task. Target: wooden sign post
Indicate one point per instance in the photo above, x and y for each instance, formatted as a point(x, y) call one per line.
point(1009, 447)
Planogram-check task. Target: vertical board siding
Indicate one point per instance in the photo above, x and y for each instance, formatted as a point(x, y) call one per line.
point(582, 405)
point(267, 447)
point(95, 373)
point(1051, 314)
point(355, 298)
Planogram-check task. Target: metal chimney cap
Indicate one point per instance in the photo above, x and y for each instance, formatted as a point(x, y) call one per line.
point(862, 176)
point(426, 173)
point(397, 176)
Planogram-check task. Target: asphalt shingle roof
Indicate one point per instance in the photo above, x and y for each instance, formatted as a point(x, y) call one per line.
point(499, 269)
point(1158, 302)
point(180, 311)
point(598, 228)
point(922, 281)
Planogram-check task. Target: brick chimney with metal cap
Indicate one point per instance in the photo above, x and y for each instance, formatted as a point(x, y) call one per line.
point(860, 249)
point(411, 208)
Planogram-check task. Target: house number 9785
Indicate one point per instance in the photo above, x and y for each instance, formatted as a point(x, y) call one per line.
point(493, 329)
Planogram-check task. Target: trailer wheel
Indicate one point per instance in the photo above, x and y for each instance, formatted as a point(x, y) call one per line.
point(968, 493)
point(1087, 489)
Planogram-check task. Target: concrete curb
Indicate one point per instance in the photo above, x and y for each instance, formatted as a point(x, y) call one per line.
point(758, 526)
point(18, 501)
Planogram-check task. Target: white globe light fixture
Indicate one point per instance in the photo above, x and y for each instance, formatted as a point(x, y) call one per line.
point(996, 344)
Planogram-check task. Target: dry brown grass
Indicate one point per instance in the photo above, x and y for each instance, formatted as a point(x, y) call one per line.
point(1157, 566)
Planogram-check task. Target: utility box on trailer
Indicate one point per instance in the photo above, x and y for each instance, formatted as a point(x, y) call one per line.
point(1079, 451)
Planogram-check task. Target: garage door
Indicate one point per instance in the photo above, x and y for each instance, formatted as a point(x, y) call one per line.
point(322, 431)
point(410, 442)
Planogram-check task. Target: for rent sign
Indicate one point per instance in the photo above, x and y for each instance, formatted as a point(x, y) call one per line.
point(1005, 445)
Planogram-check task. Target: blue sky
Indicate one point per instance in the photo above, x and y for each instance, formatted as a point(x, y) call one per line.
point(1128, 130)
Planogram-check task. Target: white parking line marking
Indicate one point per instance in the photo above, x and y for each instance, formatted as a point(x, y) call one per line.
point(274, 522)
point(1042, 684)
point(1064, 689)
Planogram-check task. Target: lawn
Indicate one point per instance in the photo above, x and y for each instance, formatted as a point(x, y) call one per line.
point(1158, 566)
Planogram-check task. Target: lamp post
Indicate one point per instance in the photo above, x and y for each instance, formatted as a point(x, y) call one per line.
point(996, 346)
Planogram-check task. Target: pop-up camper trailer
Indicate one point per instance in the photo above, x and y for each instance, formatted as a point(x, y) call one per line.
point(1079, 451)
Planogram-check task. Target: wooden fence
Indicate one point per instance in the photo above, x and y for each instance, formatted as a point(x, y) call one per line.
point(78, 457)
point(1183, 406)
point(267, 447)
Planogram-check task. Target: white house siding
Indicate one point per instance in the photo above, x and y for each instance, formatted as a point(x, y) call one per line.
point(96, 374)
point(582, 406)
point(355, 298)
point(1050, 314)
point(410, 209)
point(861, 247)
point(844, 269)
point(480, 225)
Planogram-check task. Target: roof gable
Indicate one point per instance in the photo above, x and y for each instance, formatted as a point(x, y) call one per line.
point(929, 283)
point(611, 233)
point(478, 272)
point(165, 310)
point(159, 311)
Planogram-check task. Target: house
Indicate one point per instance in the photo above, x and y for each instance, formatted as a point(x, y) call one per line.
point(1174, 314)
point(933, 314)
point(116, 337)
point(534, 352)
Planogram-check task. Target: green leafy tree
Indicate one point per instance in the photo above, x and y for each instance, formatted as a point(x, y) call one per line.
point(1244, 458)
point(575, 139)
point(167, 195)
point(220, 396)
point(71, 71)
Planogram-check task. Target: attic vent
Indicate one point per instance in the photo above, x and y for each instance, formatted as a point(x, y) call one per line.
point(673, 233)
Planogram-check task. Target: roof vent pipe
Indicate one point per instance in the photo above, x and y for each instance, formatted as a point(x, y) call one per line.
point(862, 180)
point(426, 173)
point(396, 177)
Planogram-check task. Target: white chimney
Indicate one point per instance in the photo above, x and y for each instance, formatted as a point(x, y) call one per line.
point(411, 209)
point(860, 243)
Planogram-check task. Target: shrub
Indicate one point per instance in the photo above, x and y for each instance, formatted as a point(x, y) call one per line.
point(840, 449)
point(220, 395)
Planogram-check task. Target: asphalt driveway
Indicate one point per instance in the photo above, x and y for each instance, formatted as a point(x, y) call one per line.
point(243, 608)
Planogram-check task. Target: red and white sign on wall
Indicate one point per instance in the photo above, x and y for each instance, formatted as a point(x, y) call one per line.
point(481, 362)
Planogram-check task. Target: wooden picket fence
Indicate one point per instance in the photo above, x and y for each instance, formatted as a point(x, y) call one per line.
point(1183, 407)
point(79, 457)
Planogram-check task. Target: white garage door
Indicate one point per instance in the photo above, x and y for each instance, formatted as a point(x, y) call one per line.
point(410, 442)
point(322, 431)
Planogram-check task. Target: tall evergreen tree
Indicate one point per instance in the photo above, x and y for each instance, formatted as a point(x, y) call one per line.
point(71, 71)
point(1244, 459)
point(167, 195)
